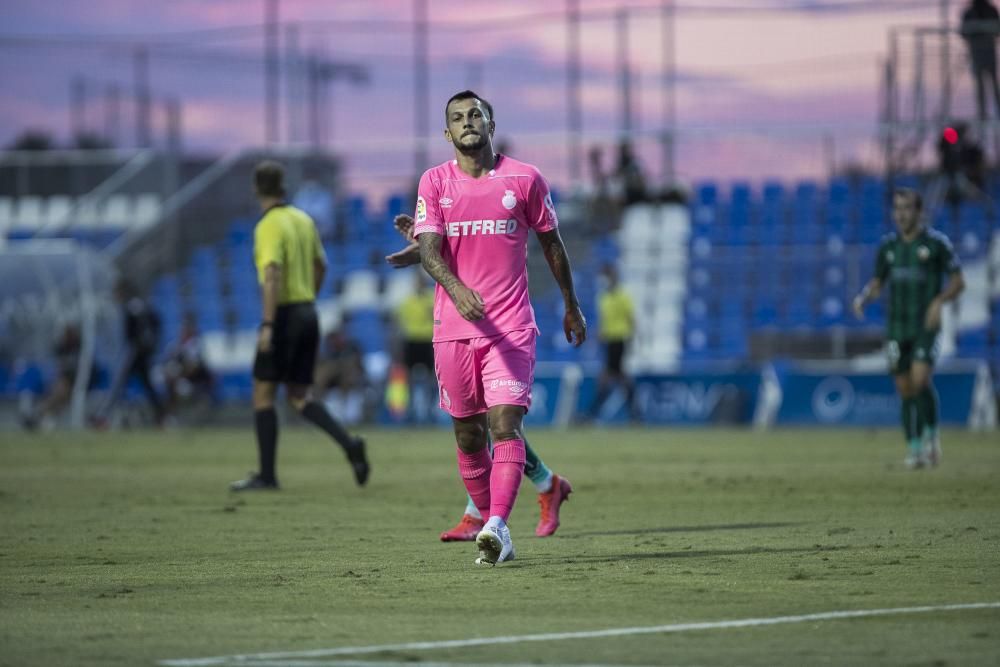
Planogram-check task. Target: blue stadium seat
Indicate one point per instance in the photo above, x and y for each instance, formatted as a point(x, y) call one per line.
point(973, 344)
point(770, 227)
point(368, 328)
point(235, 386)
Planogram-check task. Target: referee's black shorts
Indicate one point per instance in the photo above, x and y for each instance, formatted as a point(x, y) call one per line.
point(614, 354)
point(418, 353)
point(294, 342)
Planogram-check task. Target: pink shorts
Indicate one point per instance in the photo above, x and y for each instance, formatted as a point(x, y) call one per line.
point(475, 374)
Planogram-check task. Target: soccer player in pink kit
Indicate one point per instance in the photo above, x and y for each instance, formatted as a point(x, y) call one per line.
point(472, 219)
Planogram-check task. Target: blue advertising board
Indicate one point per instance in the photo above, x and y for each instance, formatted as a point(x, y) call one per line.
point(864, 399)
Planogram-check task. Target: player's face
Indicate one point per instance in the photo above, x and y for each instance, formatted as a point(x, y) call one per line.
point(905, 213)
point(469, 125)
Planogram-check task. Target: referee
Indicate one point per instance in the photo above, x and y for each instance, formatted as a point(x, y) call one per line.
point(616, 314)
point(291, 265)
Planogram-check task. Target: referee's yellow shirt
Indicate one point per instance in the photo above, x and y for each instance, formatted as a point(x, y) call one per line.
point(287, 236)
point(416, 317)
point(616, 315)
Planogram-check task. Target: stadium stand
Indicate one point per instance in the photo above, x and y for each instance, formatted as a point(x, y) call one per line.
point(737, 265)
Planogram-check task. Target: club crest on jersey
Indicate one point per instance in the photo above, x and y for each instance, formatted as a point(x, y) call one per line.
point(421, 210)
point(445, 202)
point(509, 201)
point(890, 256)
point(923, 253)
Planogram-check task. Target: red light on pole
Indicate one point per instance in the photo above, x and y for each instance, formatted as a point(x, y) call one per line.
point(950, 135)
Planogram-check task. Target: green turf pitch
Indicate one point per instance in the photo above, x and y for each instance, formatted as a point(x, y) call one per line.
point(127, 549)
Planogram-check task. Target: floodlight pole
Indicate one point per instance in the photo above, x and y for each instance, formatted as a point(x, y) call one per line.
point(140, 73)
point(271, 72)
point(669, 40)
point(293, 82)
point(78, 106)
point(112, 113)
point(624, 75)
point(421, 85)
point(574, 122)
point(945, 61)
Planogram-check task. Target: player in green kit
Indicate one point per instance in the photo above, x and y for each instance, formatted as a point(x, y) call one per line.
point(924, 274)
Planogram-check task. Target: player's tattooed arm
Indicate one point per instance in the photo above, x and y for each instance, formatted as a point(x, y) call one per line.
point(574, 324)
point(468, 302)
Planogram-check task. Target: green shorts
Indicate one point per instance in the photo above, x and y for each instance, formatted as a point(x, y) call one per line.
point(902, 353)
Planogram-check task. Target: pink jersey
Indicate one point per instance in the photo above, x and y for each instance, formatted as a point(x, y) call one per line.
point(484, 224)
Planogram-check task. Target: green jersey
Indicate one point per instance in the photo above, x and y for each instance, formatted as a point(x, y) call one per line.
point(915, 271)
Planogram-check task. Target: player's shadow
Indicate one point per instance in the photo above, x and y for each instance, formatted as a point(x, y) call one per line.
point(678, 529)
point(664, 555)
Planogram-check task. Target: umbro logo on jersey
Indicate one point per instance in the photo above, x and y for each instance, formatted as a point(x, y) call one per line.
point(481, 227)
point(445, 202)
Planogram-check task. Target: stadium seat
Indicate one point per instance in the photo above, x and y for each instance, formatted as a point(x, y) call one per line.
point(117, 212)
point(399, 285)
point(360, 291)
point(57, 212)
point(368, 328)
point(973, 344)
point(28, 214)
point(147, 210)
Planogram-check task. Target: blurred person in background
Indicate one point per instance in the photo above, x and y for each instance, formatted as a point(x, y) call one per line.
point(962, 170)
point(66, 355)
point(291, 265)
point(616, 315)
point(631, 183)
point(142, 340)
point(185, 372)
point(340, 376)
point(553, 490)
point(603, 210)
point(980, 28)
point(923, 272)
point(415, 320)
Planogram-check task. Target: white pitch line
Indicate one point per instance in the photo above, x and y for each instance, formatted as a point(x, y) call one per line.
point(256, 658)
point(410, 663)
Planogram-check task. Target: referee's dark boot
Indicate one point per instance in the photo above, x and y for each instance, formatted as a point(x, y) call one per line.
point(359, 461)
point(254, 482)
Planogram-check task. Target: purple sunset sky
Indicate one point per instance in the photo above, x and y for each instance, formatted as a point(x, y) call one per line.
point(758, 92)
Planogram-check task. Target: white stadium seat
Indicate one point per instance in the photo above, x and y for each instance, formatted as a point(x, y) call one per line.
point(57, 212)
point(399, 287)
point(117, 212)
point(147, 209)
point(85, 215)
point(360, 290)
point(28, 213)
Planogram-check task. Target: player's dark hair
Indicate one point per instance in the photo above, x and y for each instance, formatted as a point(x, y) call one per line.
point(912, 195)
point(269, 179)
point(469, 95)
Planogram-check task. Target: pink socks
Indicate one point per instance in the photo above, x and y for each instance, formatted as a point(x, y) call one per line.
point(475, 471)
point(505, 480)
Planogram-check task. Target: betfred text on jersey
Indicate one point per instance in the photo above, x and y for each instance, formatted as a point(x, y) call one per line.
point(481, 227)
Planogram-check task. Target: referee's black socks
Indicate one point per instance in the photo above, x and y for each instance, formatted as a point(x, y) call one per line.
point(266, 426)
point(315, 412)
